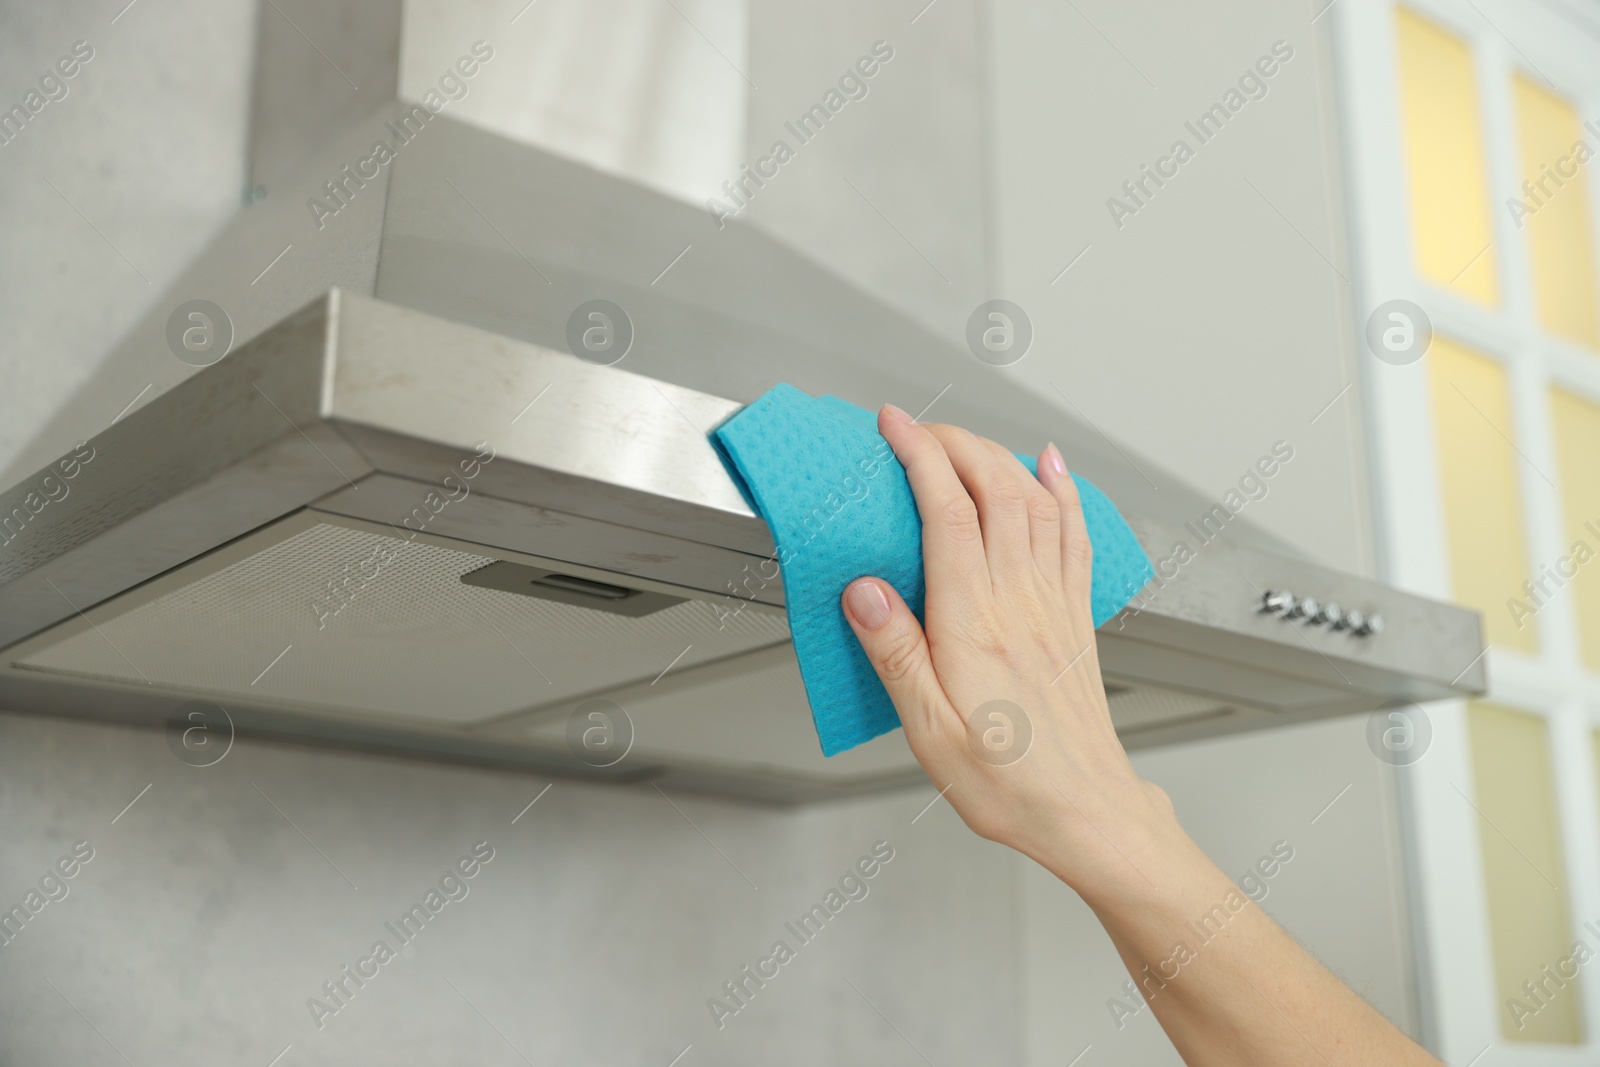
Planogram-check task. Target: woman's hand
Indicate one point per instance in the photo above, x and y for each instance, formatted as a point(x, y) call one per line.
point(1001, 697)
point(1003, 706)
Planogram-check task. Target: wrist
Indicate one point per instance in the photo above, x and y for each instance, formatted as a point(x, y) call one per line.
point(1122, 850)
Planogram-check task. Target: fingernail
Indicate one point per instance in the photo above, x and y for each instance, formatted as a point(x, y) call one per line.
point(868, 606)
point(897, 415)
point(1052, 458)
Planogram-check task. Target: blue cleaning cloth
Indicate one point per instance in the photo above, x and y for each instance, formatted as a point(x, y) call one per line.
point(840, 508)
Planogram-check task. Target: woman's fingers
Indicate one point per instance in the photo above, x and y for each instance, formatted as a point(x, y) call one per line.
point(998, 485)
point(1044, 519)
point(952, 540)
point(984, 516)
point(898, 650)
point(1077, 555)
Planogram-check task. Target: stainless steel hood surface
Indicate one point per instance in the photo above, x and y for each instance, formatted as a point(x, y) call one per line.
point(400, 514)
point(293, 534)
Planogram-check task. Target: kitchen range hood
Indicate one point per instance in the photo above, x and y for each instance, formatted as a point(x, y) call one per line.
point(401, 514)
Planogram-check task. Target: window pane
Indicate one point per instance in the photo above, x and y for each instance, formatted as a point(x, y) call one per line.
point(1523, 876)
point(1577, 427)
point(1442, 128)
point(1553, 208)
point(1480, 475)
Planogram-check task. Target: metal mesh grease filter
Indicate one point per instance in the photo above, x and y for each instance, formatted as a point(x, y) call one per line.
point(1148, 708)
point(405, 639)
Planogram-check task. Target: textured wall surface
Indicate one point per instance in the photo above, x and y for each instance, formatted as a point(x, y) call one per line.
point(107, 192)
point(216, 907)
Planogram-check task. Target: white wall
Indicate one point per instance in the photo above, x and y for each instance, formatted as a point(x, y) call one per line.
point(1205, 328)
point(1216, 320)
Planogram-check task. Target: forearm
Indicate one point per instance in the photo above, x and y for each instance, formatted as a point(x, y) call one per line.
point(1227, 984)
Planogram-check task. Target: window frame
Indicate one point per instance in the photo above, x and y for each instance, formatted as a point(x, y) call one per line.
point(1458, 1003)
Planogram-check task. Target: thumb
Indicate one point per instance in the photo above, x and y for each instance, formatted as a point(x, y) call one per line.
point(894, 642)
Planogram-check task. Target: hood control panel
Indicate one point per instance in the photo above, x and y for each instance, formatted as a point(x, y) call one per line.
point(1286, 605)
